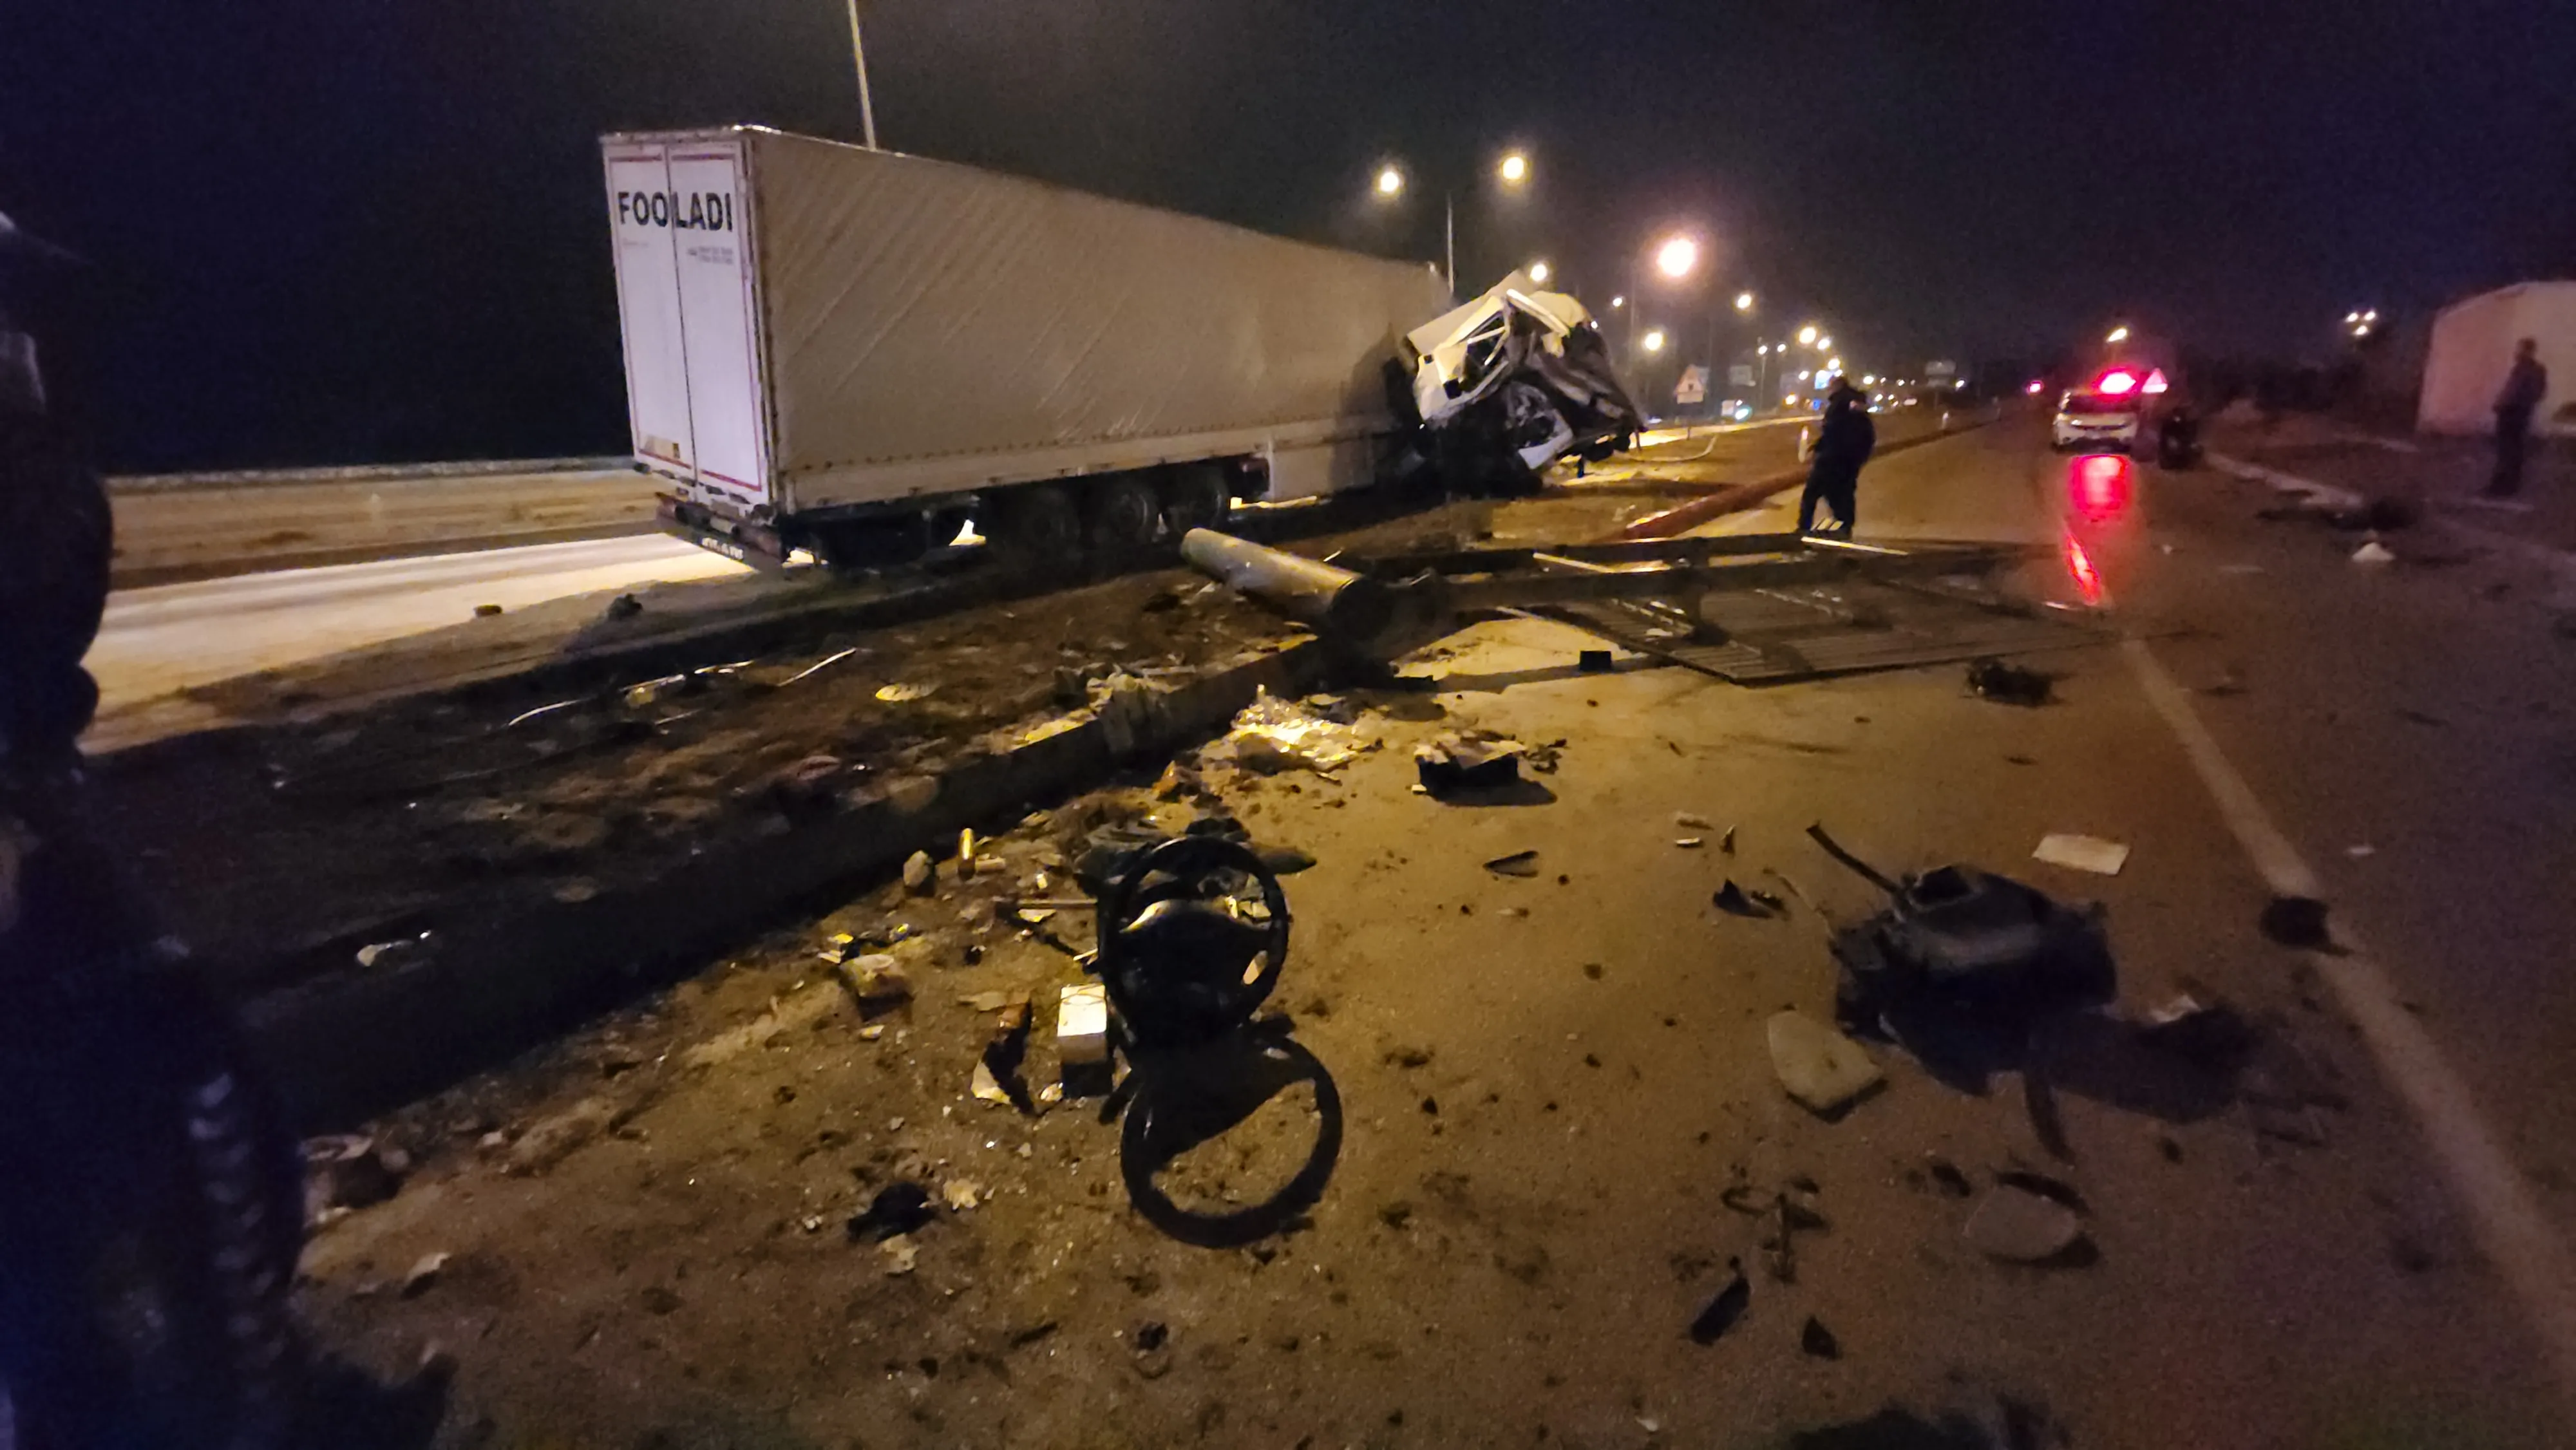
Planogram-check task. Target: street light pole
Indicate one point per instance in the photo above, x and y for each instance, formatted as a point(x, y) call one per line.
point(1449, 233)
point(859, 55)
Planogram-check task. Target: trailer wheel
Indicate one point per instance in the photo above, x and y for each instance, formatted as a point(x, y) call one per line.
point(1195, 496)
point(1035, 527)
point(1121, 519)
point(851, 545)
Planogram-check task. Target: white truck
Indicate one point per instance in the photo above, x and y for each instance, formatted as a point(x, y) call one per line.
point(853, 352)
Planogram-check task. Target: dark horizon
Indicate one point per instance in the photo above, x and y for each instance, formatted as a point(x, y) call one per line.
point(341, 235)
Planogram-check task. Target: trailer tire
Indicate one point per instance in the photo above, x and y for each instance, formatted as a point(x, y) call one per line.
point(1195, 496)
point(1036, 527)
point(1121, 518)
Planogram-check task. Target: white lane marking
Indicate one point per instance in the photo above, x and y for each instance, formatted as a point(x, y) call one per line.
point(2503, 1212)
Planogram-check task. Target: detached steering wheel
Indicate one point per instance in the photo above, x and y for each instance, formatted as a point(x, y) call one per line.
point(1179, 964)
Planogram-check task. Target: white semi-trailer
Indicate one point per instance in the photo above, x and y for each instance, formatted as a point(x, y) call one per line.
point(851, 352)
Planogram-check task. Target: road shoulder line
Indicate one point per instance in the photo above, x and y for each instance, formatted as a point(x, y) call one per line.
point(2503, 1211)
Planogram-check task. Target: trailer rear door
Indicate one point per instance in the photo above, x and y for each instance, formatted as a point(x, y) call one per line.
point(680, 210)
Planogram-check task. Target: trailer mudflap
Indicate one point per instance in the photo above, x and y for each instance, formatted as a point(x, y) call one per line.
point(743, 543)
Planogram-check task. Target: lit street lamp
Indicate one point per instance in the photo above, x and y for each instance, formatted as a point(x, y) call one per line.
point(1538, 271)
point(1676, 257)
point(1824, 344)
point(1513, 171)
point(1619, 301)
point(1743, 301)
point(1807, 335)
point(1653, 340)
point(2119, 334)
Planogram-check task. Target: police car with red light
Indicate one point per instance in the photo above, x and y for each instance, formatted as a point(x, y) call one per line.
point(2112, 412)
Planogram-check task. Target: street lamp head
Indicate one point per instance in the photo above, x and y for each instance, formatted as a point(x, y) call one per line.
point(1539, 271)
point(1618, 302)
point(1676, 257)
point(1514, 169)
point(1835, 366)
point(2118, 334)
point(1653, 341)
point(1390, 181)
point(1807, 335)
point(1743, 301)
point(1824, 344)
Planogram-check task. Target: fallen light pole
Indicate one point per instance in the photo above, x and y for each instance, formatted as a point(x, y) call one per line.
point(1335, 601)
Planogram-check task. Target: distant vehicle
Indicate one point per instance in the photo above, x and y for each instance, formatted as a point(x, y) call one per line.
point(854, 352)
point(2115, 412)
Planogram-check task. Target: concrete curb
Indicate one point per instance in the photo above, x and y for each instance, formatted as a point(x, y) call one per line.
point(356, 1043)
point(143, 483)
point(148, 576)
point(1735, 497)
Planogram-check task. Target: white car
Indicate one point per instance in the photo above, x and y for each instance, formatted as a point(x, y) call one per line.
point(2110, 414)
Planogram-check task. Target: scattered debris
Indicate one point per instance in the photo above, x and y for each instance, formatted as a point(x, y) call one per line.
point(901, 1254)
point(917, 873)
point(2373, 553)
point(1689, 843)
point(2009, 684)
point(1460, 762)
point(2296, 921)
point(1946, 1177)
point(986, 1086)
point(349, 1171)
point(1272, 735)
point(1818, 1342)
point(896, 1210)
point(1959, 930)
point(1824, 1070)
point(1176, 781)
point(1725, 1308)
point(825, 663)
point(2018, 1226)
point(423, 1273)
point(900, 693)
point(486, 611)
point(1726, 843)
point(1518, 863)
point(2197, 1029)
point(1082, 1025)
point(878, 982)
point(961, 1194)
point(1594, 662)
point(1688, 822)
point(393, 955)
point(2082, 853)
point(624, 606)
point(1734, 900)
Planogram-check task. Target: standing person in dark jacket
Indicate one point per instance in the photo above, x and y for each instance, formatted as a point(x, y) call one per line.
point(1843, 444)
point(2524, 386)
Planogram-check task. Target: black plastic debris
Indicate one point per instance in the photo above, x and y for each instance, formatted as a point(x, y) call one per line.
point(1725, 1309)
point(1192, 938)
point(1734, 900)
point(2009, 684)
point(1963, 931)
point(898, 1208)
point(1456, 762)
point(2296, 921)
point(1818, 1342)
point(1593, 662)
point(1518, 863)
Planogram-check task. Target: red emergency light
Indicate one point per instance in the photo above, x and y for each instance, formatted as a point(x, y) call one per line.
point(2117, 383)
point(2155, 382)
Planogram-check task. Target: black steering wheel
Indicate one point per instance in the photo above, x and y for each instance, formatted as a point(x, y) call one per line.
point(1182, 960)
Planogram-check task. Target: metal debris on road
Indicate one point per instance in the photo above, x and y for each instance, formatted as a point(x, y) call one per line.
point(1518, 863)
point(1689, 843)
point(1734, 900)
point(1726, 843)
point(2373, 553)
point(1818, 1342)
point(819, 665)
point(424, 1272)
point(1725, 1308)
point(1689, 822)
point(2010, 684)
point(900, 693)
point(1462, 762)
point(961, 1194)
point(917, 873)
point(487, 611)
point(2296, 921)
point(624, 606)
point(1969, 933)
point(2082, 853)
point(901, 1254)
point(1821, 1068)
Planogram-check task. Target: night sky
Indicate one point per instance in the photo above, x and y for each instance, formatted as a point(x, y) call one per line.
point(362, 230)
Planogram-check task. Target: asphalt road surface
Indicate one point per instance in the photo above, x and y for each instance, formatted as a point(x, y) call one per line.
point(173, 636)
point(1553, 1096)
